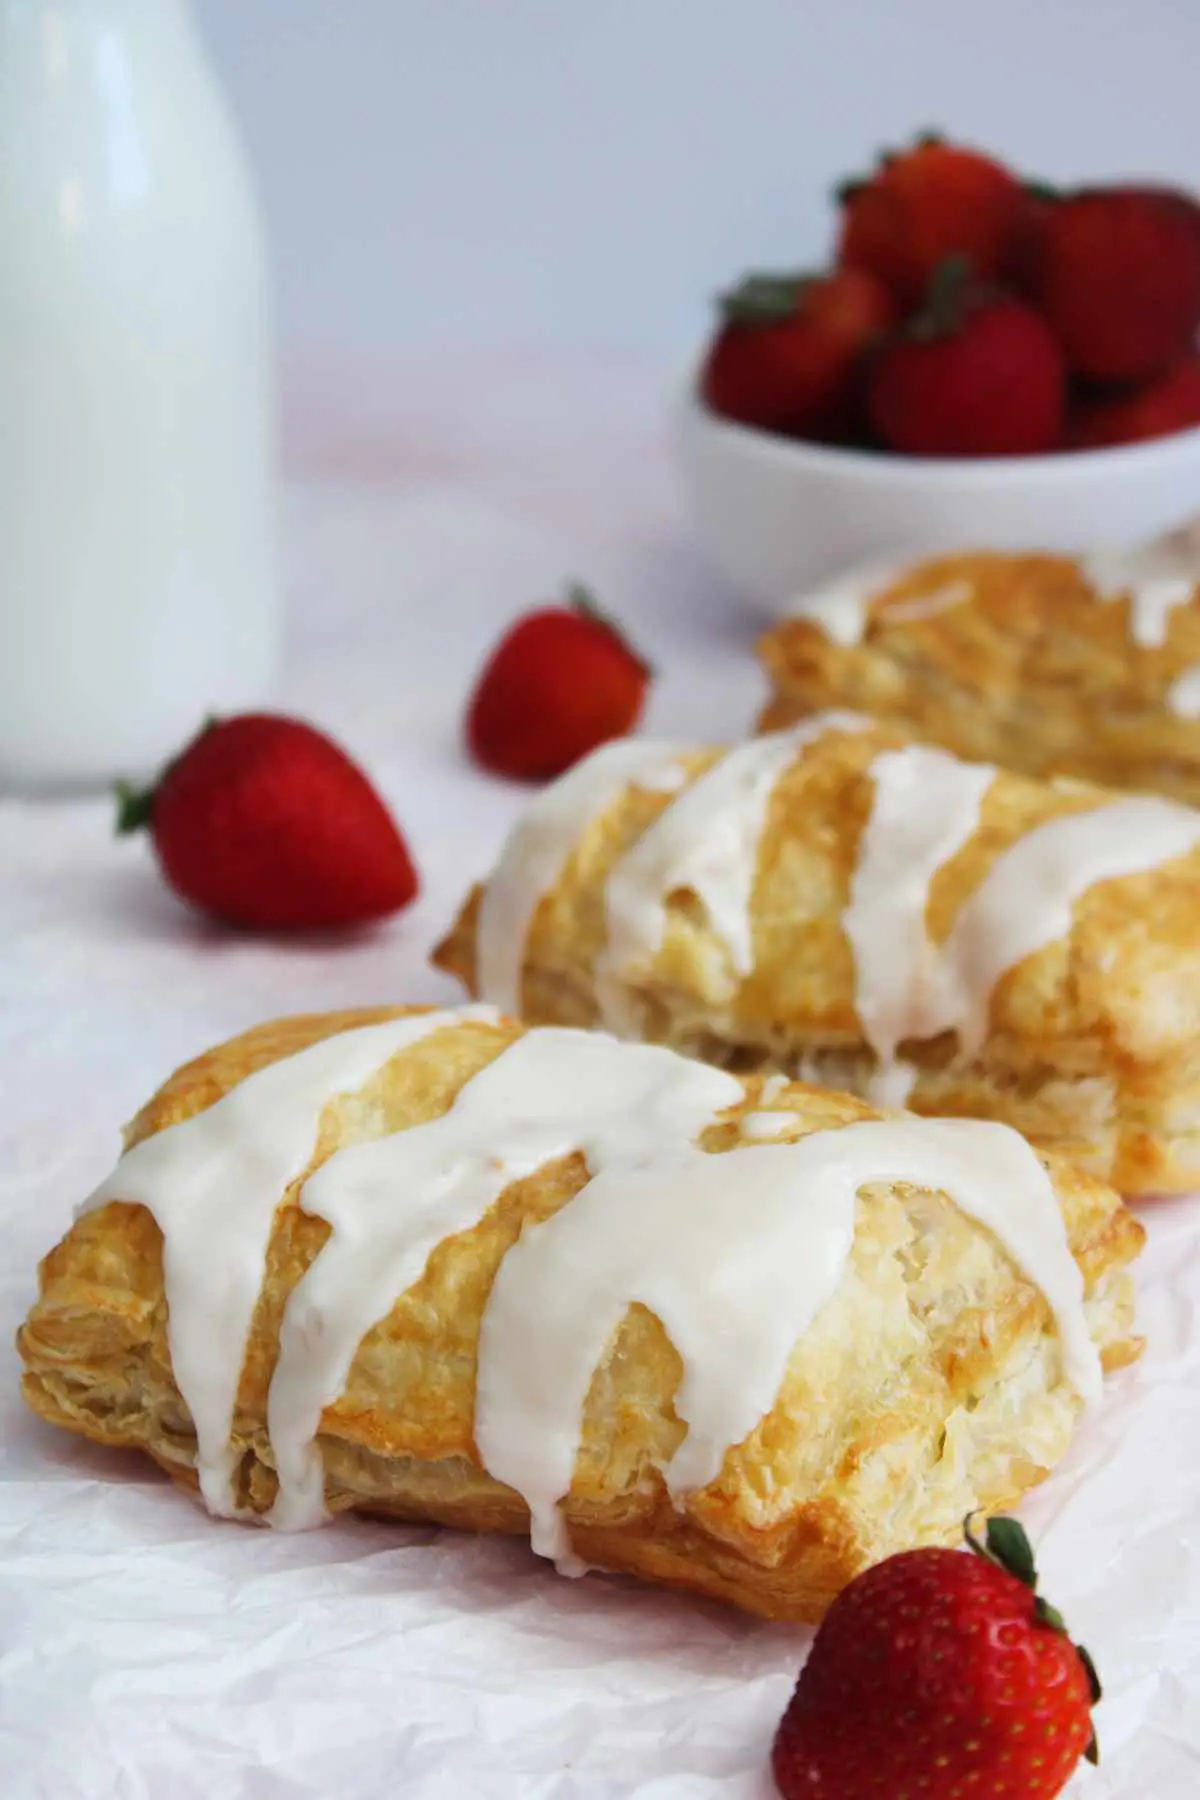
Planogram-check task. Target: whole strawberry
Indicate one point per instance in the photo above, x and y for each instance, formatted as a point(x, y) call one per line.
point(1117, 276)
point(1162, 407)
point(265, 822)
point(559, 683)
point(789, 351)
point(923, 205)
point(940, 1675)
point(975, 372)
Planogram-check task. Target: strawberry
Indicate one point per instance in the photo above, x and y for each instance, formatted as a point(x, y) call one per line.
point(940, 1675)
point(1170, 404)
point(265, 822)
point(1117, 276)
point(788, 353)
point(923, 205)
point(975, 373)
point(560, 682)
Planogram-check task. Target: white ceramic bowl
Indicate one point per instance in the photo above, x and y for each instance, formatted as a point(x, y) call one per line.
point(777, 516)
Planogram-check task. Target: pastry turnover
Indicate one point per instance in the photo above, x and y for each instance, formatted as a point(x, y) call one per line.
point(1046, 664)
point(838, 903)
point(736, 1337)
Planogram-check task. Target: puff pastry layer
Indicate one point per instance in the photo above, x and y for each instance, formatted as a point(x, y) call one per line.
point(931, 1380)
point(1043, 664)
point(1090, 1044)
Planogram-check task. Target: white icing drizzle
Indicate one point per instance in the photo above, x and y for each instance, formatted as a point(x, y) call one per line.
point(213, 1183)
point(1155, 578)
point(928, 605)
point(764, 1122)
point(808, 1068)
point(1183, 695)
point(925, 808)
point(892, 1083)
point(707, 841)
point(735, 1252)
point(541, 842)
point(1025, 900)
point(842, 606)
point(767, 1125)
point(390, 1202)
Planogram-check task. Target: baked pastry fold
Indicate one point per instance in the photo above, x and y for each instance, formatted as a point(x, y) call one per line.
point(840, 904)
point(1049, 665)
point(939, 1300)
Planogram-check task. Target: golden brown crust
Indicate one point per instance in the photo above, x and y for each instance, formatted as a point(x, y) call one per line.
point(1094, 1041)
point(930, 1383)
point(1033, 670)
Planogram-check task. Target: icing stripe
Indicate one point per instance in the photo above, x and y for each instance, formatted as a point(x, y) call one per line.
point(1155, 578)
point(539, 845)
point(930, 605)
point(925, 808)
point(735, 1254)
point(213, 1184)
point(1183, 695)
point(842, 606)
point(707, 840)
point(390, 1202)
point(1024, 902)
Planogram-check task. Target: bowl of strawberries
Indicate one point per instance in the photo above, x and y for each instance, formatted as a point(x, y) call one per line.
point(989, 363)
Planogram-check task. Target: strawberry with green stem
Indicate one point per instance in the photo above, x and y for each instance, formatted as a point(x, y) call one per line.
point(939, 1675)
point(265, 822)
point(974, 372)
point(791, 349)
point(924, 204)
point(562, 681)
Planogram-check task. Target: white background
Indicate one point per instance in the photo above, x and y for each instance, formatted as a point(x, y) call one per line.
point(562, 173)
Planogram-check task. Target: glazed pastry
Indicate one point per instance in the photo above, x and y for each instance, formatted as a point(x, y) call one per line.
point(440, 1267)
point(1045, 664)
point(838, 903)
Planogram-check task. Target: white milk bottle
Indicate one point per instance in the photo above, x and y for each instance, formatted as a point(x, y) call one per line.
point(137, 589)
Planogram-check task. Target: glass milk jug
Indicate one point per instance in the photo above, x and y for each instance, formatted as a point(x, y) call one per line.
point(137, 586)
